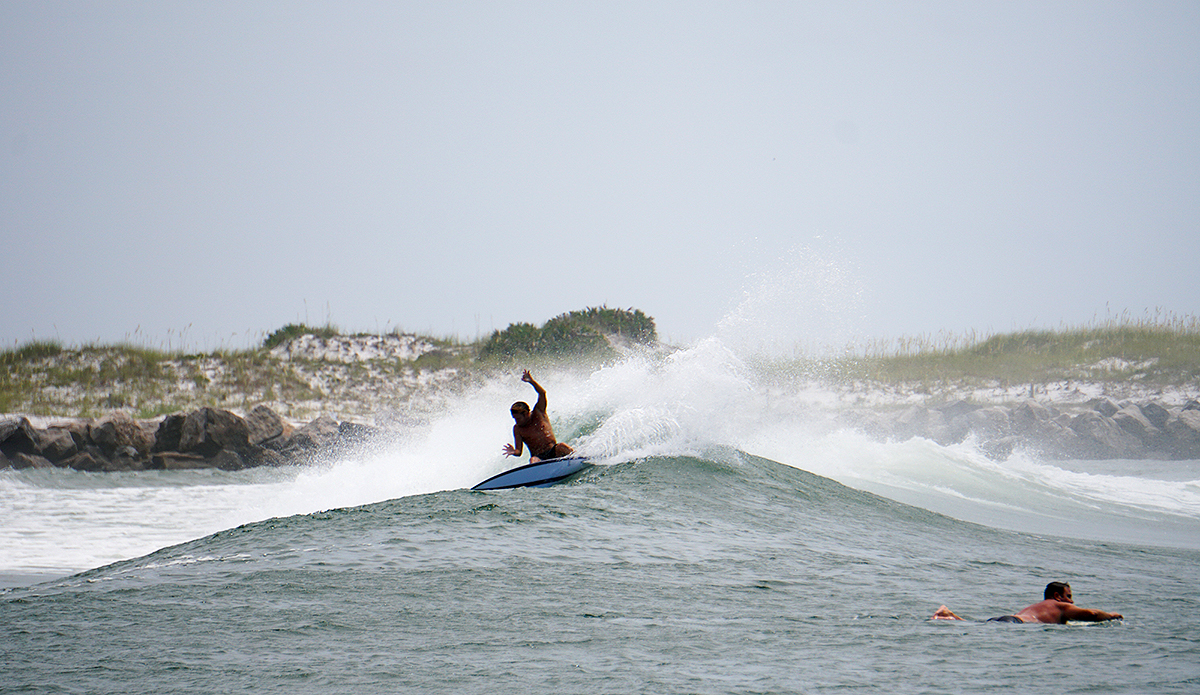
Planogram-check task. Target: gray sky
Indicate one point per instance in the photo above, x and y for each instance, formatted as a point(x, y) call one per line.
point(215, 170)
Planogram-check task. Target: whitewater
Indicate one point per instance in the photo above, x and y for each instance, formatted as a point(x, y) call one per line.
point(728, 541)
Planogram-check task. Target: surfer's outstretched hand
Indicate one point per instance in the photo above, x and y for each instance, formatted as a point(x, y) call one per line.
point(510, 450)
point(527, 377)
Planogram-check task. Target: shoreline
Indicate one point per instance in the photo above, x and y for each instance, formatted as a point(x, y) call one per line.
point(311, 396)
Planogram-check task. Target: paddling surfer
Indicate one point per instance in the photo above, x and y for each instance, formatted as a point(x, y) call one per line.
point(533, 428)
point(1058, 607)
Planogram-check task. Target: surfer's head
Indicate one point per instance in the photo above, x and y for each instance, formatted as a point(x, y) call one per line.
point(1059, 591)
point(520, 412)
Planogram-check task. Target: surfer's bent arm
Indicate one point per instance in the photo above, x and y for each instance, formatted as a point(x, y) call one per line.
point(541, 392)
point(517, 446)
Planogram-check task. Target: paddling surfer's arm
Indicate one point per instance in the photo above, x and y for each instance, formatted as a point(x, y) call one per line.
point(1073, 612)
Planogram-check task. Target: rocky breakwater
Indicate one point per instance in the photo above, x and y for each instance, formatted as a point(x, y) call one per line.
point(202, 438)
point(1098, 429)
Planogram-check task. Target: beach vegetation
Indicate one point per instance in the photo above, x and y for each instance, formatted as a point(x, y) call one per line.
point(1149, 351)
point(47, 378)
point(591, 332)
point(295, 330)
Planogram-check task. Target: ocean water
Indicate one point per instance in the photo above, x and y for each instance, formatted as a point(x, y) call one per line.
point(728, 542)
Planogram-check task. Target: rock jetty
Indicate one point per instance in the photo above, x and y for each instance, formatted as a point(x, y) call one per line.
point(202, 438)
point(1098, 429)
point(215, 438)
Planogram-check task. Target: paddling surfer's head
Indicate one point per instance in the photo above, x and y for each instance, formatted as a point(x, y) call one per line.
point(1059, 591)
point(520, 412)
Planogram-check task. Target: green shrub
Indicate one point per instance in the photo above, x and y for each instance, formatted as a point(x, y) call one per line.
point(578, 333)
point(295, 330)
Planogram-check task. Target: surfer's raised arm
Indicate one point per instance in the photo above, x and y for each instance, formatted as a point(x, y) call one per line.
point(542, 404)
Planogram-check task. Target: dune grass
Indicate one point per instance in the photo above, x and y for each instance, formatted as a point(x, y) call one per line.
point(1154, 352)
point(46, 378)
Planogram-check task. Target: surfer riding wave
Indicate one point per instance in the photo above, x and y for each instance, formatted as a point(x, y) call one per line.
point(533, 428)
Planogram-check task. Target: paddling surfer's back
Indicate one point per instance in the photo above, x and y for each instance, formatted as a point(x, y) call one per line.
point(533, 428)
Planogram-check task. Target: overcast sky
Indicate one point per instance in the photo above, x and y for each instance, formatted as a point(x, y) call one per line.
point(215, 170)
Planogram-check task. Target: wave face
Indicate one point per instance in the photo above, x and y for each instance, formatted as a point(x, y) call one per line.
point(730, 542)
point(664, 574)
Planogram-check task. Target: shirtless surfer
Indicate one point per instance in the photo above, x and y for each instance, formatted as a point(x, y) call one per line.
point(533, 428)
point(1058, 608)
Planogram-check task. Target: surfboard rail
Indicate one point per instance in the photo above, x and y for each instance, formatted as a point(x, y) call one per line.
point(538, 474)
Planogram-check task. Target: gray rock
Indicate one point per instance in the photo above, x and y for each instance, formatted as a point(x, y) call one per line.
point(166, 438)
point(7, 427)
point(957, 408)
point(87, 460)
point(1156, 414)
point(1183, 431)
point(989, 423)
point(178, 461)
point(265, 424)
point(209, 431)
point(321, 433)
point(227, 460)
point(1133, 420)
point(1101, 438)
point(56, 443)
point(17, 437)
point(270, 457)
point(116, 431)
point(23, 460)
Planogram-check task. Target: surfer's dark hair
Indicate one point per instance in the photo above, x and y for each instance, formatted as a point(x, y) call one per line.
point(521, 406)
point(1055, 589)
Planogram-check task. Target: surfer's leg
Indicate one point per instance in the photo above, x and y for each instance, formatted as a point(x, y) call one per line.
point(561, 450)
point(944, 613)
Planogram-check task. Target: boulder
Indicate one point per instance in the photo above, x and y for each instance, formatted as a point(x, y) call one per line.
point(177, 461)
point(989, 423)
point(357, 435)
point(1155, 414)
point(24, 460)
point(87, 460)
point(1183, 431)
point(321, 433)
point(227, 460)
point(1104, 406)
point(17, 437)
point(265, 424)
point(1133, 420)
point(21, 437)
point(1033, 422)
point(208, 431)
point(56, 443)
point(116, 431)
point(269, 457)
point(126, 461)
point(957, 408)
point(1101, 438)
point(166, 438)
